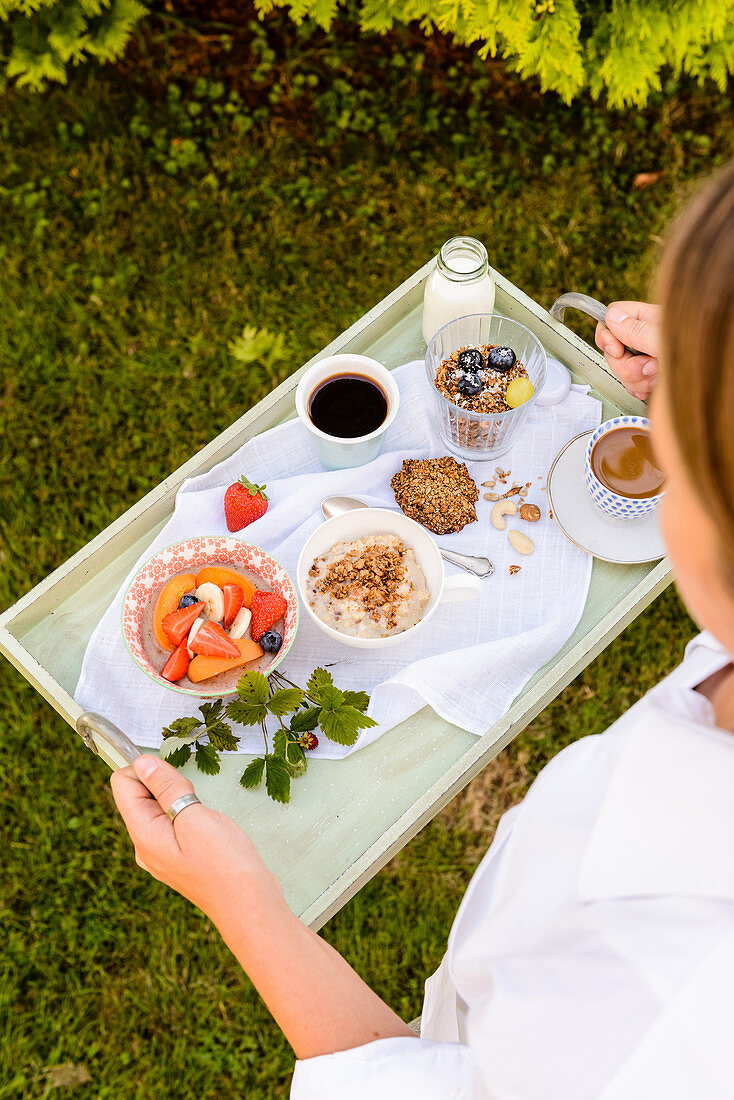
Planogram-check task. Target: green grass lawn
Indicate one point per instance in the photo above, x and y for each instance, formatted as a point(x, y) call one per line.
point(139, 234)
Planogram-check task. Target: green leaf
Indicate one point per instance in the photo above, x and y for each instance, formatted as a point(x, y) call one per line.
point(363, 720)
point(181, 727)
point(172, 744)
point(318, 680)
point(179, 756)
point(253, 686)
point(211, 711)
point(331, 697)
point(222, 738)
point(295, 758)
point(253, 773)
point(247, 714)
point(358, 699)
point(220, 733)
point(207, 759)
point(305, 721)
point(285, 701)
point(277, 778)
point(279, 742)
point(343, 724)
point(250, 706)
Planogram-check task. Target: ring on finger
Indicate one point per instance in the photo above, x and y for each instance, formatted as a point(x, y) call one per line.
point(180, 804)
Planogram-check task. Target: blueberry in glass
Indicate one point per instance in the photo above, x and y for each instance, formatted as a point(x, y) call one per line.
point(501, 359)
point(470, 360)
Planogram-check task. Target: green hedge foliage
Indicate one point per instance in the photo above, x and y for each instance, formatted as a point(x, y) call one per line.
point(41, 38)
point(612, 47)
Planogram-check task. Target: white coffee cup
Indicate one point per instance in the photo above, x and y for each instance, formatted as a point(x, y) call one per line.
point(341, 452)
point(380, 521)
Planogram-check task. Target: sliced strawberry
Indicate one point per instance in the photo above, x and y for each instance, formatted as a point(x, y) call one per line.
point(211, 640)
point(177, 624)
point(266, 608)
point(233, 600)
point(177, 664)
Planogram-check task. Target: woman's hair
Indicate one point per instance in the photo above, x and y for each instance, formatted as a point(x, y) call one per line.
point(696, 290)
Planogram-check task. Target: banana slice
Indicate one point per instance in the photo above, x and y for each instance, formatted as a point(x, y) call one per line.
point(241, 623)
point(195, 627)
point(213, 599)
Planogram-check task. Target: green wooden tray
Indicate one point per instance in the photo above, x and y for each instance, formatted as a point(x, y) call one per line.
point(346, 819)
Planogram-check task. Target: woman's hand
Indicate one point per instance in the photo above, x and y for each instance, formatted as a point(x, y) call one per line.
point(314, 995)
point(203, 854)
point(636, 324)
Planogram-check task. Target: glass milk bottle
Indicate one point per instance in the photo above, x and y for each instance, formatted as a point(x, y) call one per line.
point(460, 284)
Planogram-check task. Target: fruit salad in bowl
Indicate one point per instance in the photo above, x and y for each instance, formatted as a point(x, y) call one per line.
point(201, 612)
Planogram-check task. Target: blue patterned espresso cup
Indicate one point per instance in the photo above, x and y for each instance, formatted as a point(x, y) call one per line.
point(610, 502)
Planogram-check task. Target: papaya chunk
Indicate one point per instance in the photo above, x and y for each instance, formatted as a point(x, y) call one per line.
point(167, 602)
point(203, 668)
point(220, 575)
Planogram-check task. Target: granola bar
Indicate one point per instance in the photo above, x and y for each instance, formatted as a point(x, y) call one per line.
point(437, 492)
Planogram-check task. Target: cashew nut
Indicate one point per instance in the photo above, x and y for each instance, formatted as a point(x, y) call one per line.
point(501, 509)
point(521, 542)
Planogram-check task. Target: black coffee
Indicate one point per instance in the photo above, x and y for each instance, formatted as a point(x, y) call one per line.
point(348, 405)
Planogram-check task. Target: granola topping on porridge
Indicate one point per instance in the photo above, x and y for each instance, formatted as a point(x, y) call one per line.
point(494, 383)
point(371, 587)
point(437, 492)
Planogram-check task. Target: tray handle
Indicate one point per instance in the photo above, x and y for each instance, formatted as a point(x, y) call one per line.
point(588, 305)
point(90, 725)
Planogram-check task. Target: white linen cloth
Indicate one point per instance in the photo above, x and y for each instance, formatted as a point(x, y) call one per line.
point(593, 953)
point(473, 658)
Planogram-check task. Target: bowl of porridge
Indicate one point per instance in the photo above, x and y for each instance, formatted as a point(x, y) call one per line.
point(372, 577)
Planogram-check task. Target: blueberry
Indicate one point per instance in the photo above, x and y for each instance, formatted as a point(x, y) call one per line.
point(501, 359)
point(271, 641)
point(470, 385)
point(471, 360)
point(188, 600)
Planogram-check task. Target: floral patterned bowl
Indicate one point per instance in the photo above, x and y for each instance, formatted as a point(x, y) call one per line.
point(193, 554)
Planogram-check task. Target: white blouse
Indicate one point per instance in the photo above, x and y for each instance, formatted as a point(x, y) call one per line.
point(593, 953)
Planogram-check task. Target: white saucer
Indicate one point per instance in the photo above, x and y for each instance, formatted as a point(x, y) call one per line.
point(623, 542)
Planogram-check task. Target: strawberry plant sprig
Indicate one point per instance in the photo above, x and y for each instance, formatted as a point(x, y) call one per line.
point(340, 715)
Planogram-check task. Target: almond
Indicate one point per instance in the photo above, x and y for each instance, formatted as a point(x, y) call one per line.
point(520, 542)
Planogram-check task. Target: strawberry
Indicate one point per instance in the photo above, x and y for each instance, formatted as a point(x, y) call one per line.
point(211, 641)
point(243, 503)
point(266, 608)
point(234, 597)
point(177, 624)
point(177, 664)
point(308, 741)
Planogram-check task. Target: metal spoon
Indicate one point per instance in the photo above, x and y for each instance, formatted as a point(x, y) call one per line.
point(480, 567)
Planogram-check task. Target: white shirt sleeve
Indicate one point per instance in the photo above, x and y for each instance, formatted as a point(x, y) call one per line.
point(391, 1069)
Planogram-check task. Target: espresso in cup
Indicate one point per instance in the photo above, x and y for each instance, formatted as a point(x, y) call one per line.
point(623, 461)
point(348, 405)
